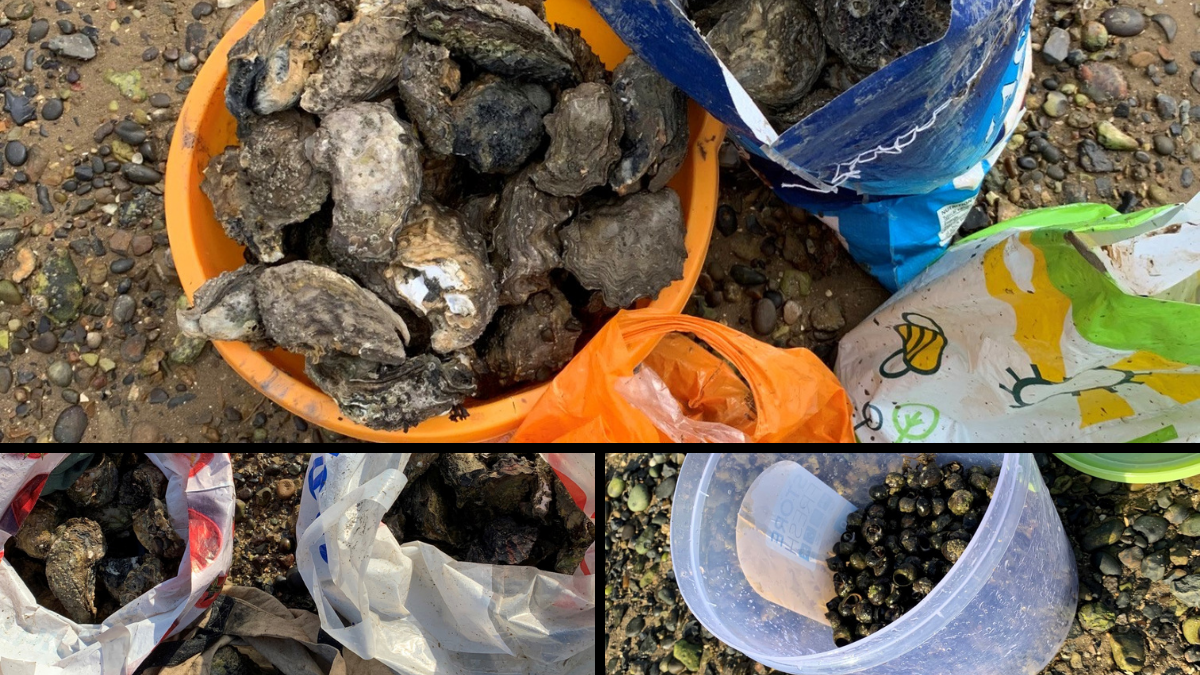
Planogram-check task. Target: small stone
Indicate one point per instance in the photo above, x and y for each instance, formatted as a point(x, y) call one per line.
point(187, 62)
point(141, 244)
point(15, 153)
point(18, 10)
point(1167, 23)
point(123, 309)
point(1159, 194)
point(1167, 107)
point(1187, 177)
point(201, 10)
point(144, 432)
point(285, 488)
point(75, 46)
point(10, 294)
point(1142, 59)
point(1152, 527)
point(638, 498)
point(765, 317)
point(1056, 104)
point(140, 174)
point(1176, 514)
point(1056, 47)
point(1164, 145)
point(37, 31)
point(1103, 82)
point(1187, 590)
point(1154, 566)
point(6, 379)
point(1108, 565)
point(1131, 557)
point(44, 343)
point(52, 109)
point(1113, 138)
point(1129, 649)
point(615, 487)
point(635, 626)
point(1123, 21)
point(1190, 527)
point(665, 489)
point(1096, 617)
point(792, 311)
point(70, 425)
point(133, 349)
point(1095, 36)
point(13, 204)
point(1191, 630)
point(26, 263)
point(827, 316)
point(59, 373)
point(1104, 534)
point(131, 132)
point(726, 220)
point(160, 100)
point(747, 276)
point(57, 291)
point(688, 654)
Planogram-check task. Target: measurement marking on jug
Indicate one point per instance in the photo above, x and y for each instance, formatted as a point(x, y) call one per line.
point(795, 525)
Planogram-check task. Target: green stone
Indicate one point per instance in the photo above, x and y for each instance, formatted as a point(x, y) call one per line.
point(107, 364)
point(1191, 630)
point(1113, 138)
point(688, 654)
point(1096, 617)
point(795, 284)
point(122, 150)
point(186, 349)
point(18, 10)
point(1105, 534)
point(607, 590)
point(615, 487)
point(638, 499)
point(4, 340)
point(57, 292)
point(1056, 104)
point(128, 83)
point(9, 293)
point(13, 204)
point(1190, 527)
point(89, 359)
point(1129, 651)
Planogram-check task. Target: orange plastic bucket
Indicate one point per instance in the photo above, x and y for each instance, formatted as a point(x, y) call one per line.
point(202, 250)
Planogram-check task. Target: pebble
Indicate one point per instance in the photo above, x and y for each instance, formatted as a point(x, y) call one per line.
point(1164, 145)
point(638, 499)
point(1095, 36)
point(688, 654)
point(1103, 82)
point(140, 174)
point(792, 311)
point(1056, 104)
point(18, 10)
point(1151, 526)
point(747, 276)
point(1187, 590)
point(187, 62)
point(1131, 557)
point(38, 30)
point(76, 46)
point(726, 220)
point(827, 316)
point(1195, 80)
point(133, 349)
point(1056, 47)
point(59, 373)
point(1154, 566)
point(1028, 163)
point(70, 425)
point(635, 626)
point(6, 379)
point(1123, 21)
point(1167, 23)
point(201, 10)
point(10, 294)
point(1191, 630)
point(665, 489)
point(1186, 177)
point(16, 153)
point(1190, 527)
point(1167, 107)
point(765, 317)
point(285, 488)
point(615, 487)
point(52, 109)
point(144, 432)
point(1113, 138)
point(1129, 650)
point(6, 36)
point(120, 265)
point(1104, 534)
point(665, 597)
point(160, 100)
point(129, 131)
point(45, 343)
point(123, 308)
point(1108, 565)
point(19, 107)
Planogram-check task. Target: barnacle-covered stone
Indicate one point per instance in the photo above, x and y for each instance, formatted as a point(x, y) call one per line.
point(532, 341)
point(363, 56)
point(525, 240)
point(498, 124)
point(270, 64)
point(393, 398)
point(128, 578)
point(96, 486)
point(589, 67)
point(374, 163)
point(773, 47)
point(629, 249)
point(152, 527)
point(71, 567)
point(428, 81)
point(318, 312)
point(500, 36)
point(585, 141)
point(869, 34)
point(441, 270)
point(37, 531)
point(655, 123)
point(225, 308)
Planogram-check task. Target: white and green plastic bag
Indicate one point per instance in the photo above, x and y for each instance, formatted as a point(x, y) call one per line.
point(1067, 324)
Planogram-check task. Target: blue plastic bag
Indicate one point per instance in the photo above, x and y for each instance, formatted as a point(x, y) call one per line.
point(894, 162)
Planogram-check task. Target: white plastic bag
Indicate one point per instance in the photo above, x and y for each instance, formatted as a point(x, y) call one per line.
point(421, 612)
point(37, 641)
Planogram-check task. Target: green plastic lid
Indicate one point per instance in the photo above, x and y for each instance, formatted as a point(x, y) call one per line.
point(1134, 467)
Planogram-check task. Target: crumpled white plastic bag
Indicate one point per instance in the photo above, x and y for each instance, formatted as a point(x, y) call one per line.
point(37, 641)
point(421, 612)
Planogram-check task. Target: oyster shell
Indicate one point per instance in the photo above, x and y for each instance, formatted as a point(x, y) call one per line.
point(589, 67)
point(585, 141)
point(37, 531)
point(374, 161)
point(128, 578)
point(315, 311)
point(270, 64)
point(152, 527)
point(498, 124)
point(441, 270)
point(363, 56)
point(629, 249)
point(393, 397)
point(224, 308)
point(139, 486)
point(773, 47)
point(233, 205)
point(428, 81)
point(497, 35)
point(71, 567)
point(655, 124)
point(532, 341)
point(525, 239)
point(869, 34)
point(96, 486)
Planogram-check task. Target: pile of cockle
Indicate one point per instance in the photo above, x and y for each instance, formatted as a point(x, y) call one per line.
point(437, 198)
point(895, 551)
point(794, 56)
point(497, 508)
point(89, 549)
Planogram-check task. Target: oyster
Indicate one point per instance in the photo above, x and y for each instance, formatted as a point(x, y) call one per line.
point(428, 80)
point(442, 272)
point(525, 239)
point(363, 56)
point(497, 482)
point(585, 141)
point(428, 514)
point(224, 308)
point(37, 531)
point(270, 64)
point(532, 341)
point(498, 124)
point(773, 47)
point(139, 486)
point(589, 67)
point(233, 205)
point(375, 165)
point(128, 578)
point(497, 35)
point(869, 34)
point(96, 486)
point(315, 311)
point(629, 249)
point(391, 398)
point(655, 125)
point(812, 102)
point(71, 567)
point(479, 213)
point(152, 527)
point(441, 178)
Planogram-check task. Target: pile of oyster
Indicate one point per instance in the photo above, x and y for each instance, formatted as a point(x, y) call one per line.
point(498, 508)
point(794, 56)
point(95, 546)
point(437, 198)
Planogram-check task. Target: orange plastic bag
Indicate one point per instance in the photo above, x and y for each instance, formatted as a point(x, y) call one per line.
point(683, 392)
